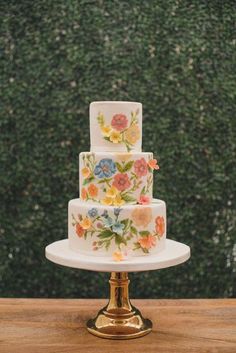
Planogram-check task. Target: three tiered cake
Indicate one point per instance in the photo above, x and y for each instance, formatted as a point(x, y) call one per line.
point(116, 215)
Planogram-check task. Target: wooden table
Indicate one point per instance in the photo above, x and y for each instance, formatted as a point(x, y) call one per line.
point(58, 326)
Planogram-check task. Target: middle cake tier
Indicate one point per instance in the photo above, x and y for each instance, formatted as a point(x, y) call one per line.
point(114, 179)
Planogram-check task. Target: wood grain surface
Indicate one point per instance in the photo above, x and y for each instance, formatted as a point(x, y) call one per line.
point(59, 326)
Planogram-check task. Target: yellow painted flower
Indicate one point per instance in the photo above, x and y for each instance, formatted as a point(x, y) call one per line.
point(118, 201)
point(112, 192)
point(115, 136)
point(86, 223)
point(107, 201)
point(132, 134)
point(85, 172)
point(117, 256)
point(106, 130)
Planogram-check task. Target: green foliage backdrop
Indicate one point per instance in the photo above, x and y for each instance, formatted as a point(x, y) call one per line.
point(178, 59)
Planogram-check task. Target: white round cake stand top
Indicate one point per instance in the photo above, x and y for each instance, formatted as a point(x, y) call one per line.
point(174, 254)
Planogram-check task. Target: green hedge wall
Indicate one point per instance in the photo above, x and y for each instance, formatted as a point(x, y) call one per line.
point(178, 59)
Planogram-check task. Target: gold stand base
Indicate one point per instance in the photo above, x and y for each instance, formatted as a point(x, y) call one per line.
point(119, 319)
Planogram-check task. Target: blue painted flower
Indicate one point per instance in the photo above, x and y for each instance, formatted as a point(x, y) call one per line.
point(117, 211)
point(108, 222)
point(104, 214)
point(105, 168)
point(118, 228)
point(93, 212)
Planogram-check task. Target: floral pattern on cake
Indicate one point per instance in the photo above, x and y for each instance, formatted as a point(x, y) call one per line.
point(120, 131)
point(123, 180)
point(128, 234)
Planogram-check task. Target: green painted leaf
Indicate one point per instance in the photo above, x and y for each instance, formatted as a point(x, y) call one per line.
point(119, 239)
point(143, 190)
point(105, 234)
point(128, 198)
point(87, 181)
point(144, 233)
point(133, 230)
point(125, 222)
point(128, 166)
point(119, 167)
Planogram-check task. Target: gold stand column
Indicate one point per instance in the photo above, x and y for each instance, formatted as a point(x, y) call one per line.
point(119, 319)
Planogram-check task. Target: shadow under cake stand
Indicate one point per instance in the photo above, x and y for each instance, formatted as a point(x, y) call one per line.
point(119, 319)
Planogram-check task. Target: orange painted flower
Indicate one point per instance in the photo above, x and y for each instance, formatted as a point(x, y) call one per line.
point(92, 190)
point(79, 230)
point(144, 200)
point(84, 194)
point(160, 225)
point(117, 256)
point(119, 122)
point(121, 181)
point(85, 172)
point(142, 216)
point(153, 164)
point(147, 242)
point(132, 134)
point(140, 167)
point(86, 223)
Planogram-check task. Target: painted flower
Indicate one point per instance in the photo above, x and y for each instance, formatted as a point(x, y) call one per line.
point(132, 134)
point(99, 225)
point(105, 168)
point(86, 223)
point(121, 181)
point(153, 164)
point(85, 172)
point(112, 192)
point(93, 212)
point(118, 201)
point(119, 122)
point(107, 201)
point(160, 225)
point(106, 130)
point(142, 216)
point(140, 167)
point(104, 214)
point(147, 242)
point(92, 190)
point(84, 194)
point(115, 136)
point(117, 211)
point(79, 230)
point(144, 200)
point(118, 227)
point(117, 256)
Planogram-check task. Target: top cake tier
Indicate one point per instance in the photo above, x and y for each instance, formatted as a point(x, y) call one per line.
point(115, 126)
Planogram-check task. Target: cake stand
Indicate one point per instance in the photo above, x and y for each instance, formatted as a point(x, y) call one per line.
point(119, 319)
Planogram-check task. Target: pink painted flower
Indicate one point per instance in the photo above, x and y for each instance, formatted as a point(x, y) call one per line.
point(147, 242)
point(121, 181)
point(144, 200)
point(119, 122)
point(99, 225)
point(140, 167)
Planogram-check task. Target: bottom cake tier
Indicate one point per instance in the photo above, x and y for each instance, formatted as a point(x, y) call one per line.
point(117, 232)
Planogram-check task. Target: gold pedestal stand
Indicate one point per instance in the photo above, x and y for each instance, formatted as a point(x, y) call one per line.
point(119, 319)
